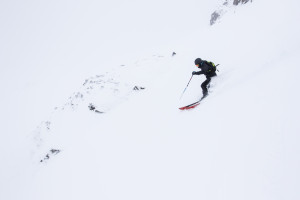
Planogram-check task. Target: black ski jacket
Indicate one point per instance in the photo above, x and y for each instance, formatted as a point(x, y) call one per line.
point(206, 69)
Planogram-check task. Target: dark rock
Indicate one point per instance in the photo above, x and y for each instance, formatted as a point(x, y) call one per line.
point(51, 153)
point(93, 108)
point(218, 13)
point(138, 88)
point(214, 17)
point(55, 151)
point(237, 2)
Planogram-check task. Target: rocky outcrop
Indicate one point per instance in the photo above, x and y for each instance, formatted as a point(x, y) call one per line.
point(51, 153)
point(237, 2)
point(227, 4)
point(214, 17)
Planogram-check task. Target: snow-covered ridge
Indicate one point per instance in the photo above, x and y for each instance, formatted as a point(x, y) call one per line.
point(98, 94)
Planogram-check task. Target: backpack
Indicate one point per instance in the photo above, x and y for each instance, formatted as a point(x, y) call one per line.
point(212, 66)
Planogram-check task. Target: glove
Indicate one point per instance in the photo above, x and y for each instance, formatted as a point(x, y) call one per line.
point(194, 72)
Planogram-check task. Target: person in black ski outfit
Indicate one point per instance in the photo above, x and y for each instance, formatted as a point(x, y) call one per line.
point(208, 70)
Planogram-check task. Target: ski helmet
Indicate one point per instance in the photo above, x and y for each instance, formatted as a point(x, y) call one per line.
point(198, 61)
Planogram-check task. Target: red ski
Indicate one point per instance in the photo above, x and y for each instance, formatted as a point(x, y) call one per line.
point(193, 105)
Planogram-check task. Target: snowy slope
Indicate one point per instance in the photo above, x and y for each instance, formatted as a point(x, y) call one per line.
point(240, 143)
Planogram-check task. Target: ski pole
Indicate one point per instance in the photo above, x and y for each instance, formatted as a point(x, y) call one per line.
point(186, 87)
point(217, 66)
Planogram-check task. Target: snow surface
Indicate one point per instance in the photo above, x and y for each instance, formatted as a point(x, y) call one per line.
point(58, 58)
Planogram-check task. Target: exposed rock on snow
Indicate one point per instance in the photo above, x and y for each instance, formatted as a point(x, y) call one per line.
point(51, 153)
point(100, 93)
point(216, 15)
point(93, 90)
point(138, 88)
point(236, 2)
point(92, 107)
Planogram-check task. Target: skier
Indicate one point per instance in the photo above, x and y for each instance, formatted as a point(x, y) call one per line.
point(209, 70)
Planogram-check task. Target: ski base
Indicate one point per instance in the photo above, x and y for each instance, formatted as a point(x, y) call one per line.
point(193, 105)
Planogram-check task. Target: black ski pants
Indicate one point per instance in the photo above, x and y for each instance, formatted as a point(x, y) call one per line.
point(205, 84)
